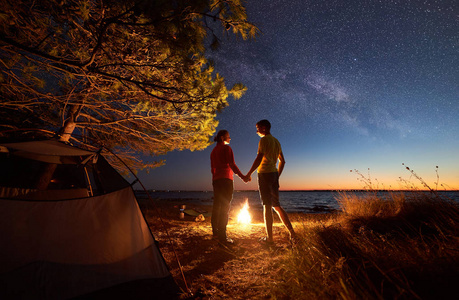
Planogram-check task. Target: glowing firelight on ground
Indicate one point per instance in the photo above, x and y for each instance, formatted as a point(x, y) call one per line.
point(244, 216)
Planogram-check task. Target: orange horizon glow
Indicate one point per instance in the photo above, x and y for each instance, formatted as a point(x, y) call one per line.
point(395, 186)
point(381, 179)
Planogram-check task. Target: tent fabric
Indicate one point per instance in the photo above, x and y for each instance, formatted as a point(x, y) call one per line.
point(48, 147)
point(76, 246)
point(48, 195)
point(19, 177)
point(50, 151)
point(6, 192)
point(84, 234)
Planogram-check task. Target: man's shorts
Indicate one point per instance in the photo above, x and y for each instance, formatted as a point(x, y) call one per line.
point(268, 185)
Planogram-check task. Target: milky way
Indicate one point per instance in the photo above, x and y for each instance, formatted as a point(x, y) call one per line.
point(346, 84)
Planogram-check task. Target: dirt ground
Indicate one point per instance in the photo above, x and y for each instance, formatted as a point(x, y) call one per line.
point(208, 270)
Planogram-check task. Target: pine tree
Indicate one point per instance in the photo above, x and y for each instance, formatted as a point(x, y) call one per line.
point(131, 75)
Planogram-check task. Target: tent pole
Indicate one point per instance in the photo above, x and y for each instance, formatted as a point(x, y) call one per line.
point(91, 193)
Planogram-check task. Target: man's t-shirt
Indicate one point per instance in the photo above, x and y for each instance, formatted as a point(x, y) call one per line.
point(220, 160)
point(271, 148)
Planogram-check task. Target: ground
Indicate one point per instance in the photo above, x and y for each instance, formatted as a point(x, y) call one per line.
point(207, 269)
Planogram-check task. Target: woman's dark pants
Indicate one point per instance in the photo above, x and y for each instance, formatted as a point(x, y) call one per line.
point(223, 194)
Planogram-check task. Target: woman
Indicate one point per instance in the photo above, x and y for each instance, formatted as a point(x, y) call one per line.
point(222, 167)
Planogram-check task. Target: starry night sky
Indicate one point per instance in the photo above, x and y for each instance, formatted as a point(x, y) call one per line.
point(346, 85)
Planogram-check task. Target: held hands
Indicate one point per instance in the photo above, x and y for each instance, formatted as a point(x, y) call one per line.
point(246, 178)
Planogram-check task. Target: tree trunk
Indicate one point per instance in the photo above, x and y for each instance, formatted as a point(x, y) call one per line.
point(70, 123)
point(66, 132)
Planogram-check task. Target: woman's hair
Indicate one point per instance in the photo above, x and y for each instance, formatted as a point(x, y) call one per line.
point(220, 134)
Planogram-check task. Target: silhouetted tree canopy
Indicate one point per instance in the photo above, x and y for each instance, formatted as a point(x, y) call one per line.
point(131, 75)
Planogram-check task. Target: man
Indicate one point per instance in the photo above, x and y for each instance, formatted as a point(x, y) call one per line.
point(269, 152)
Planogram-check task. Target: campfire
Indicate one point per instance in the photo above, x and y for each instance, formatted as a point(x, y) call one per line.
point(244, 215)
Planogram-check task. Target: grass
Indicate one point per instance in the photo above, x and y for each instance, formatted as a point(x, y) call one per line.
point(403, 245)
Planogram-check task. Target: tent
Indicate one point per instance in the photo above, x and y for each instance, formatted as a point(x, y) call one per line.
point(82, 236)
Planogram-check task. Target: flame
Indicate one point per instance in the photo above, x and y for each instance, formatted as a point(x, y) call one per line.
point(244, 216)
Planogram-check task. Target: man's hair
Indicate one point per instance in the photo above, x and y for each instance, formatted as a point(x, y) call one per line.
point(264, 123)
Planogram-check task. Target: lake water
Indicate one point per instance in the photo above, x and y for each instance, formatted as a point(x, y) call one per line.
point(291, 201)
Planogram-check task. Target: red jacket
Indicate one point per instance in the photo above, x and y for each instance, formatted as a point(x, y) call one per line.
point(222, 162)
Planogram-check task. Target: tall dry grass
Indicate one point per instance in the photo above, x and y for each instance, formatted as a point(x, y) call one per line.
point(403, 246)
